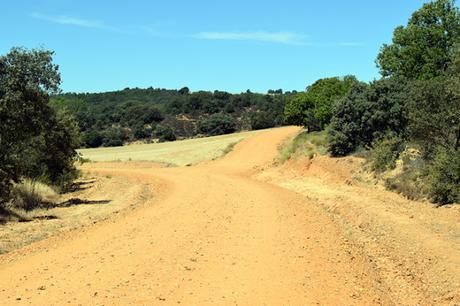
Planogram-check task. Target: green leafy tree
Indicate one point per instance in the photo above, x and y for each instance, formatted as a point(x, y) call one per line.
point(26, 80)
point(444, 176)
point(434, 110)
point(422, 49)
point(366, 114)
point(217, 124)
point(313, 109)
point(93, 139)
point(262, 120)
point(184, 91)
point(50, 156)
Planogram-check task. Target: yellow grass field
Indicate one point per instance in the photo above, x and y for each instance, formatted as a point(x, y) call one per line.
point(178, 153)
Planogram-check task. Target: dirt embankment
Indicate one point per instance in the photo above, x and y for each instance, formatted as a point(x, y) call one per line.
point(240, 231)
point(413, 248)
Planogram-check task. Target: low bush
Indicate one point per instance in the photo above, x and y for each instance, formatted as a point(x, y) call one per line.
point(262, 120)
point(304, 144)
point(29, 194)
point(164, 133)
point(444, 177)
point(385, 152)
point(411, 181)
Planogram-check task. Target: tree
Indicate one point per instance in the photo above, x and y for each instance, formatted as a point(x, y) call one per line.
point(164, 133)
point(26, 80)
point(93, 139)
point(262, 120)
point(184, 91)
point(422, 49)
point(313, 109)
point(217, 124)
point(368, 113)
point(434, 110)
point(50, 156)
point(299, 110)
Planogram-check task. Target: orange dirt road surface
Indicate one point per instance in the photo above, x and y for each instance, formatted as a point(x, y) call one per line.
point(212, 235)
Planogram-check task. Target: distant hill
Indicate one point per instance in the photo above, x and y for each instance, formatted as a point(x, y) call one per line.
point(154, 114)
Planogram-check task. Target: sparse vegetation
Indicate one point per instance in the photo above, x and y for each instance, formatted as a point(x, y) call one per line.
point(410, 180)
point(304, 144)
point(385, 152)
point(29, 195)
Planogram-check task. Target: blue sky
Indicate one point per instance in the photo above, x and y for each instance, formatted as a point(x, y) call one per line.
point(226, 45)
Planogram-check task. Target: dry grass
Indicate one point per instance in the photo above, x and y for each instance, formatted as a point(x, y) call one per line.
point(31, 194)
point(179, 153)
point(96, 199)
point(303, 145)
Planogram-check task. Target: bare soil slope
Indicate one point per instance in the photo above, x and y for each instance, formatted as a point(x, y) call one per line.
point(213, 234)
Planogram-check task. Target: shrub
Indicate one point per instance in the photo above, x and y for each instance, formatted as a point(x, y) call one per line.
point(93, 139)
point(141, 132)
point(164, 133)
point(29, 194)
point(411, 182)
point(217, 124)
point(114, 137)
point(304, 144)
point(367, 113)
point(444, 177)
point(262, 120)
point(385, 152)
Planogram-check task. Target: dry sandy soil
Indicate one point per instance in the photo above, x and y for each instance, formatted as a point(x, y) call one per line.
point(240, 231)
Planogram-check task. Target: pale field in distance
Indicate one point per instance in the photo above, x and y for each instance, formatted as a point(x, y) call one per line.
point(179, 153)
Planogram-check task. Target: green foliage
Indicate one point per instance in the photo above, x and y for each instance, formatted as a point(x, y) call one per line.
point(385, 152)
point(313, 109)
point(93, 139)
point(137, 111)
point(26, 80)
point(114, 137)
point(444, 176)
point(262, 120)
point(50, 156)
point(434, 115)
point(164, 133)
point(142, 132)
point(422, 49)
point(297, 111)
point(217, 124)
point(434, 110)
point(367, 113)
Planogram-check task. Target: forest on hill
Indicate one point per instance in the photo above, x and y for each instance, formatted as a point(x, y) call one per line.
point(154, 114)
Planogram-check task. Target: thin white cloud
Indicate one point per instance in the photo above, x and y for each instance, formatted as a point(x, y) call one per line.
point(273, 37)
point(73, 21)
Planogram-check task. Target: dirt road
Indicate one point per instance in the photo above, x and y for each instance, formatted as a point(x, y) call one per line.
point(212, 235)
